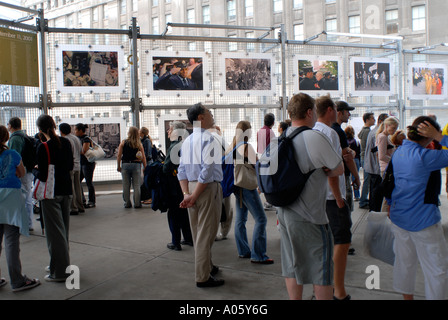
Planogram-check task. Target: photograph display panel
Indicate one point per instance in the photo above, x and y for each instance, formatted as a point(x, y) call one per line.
point(247, 74)
point(89, 69)
point(371, 76)
point(107, 132)
point(318, 75)
point(178, 73)
point(427, 81)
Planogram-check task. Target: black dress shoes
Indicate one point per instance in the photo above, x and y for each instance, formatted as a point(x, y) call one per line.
point(211, 282)
point(174, 247)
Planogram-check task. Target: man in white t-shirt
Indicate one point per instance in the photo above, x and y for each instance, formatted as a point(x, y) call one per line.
point(306, 238)
point(337, 209)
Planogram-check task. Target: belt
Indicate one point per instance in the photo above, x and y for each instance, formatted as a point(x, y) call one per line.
point(125, 161)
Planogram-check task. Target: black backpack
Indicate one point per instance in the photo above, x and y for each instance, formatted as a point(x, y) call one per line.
point(29, 152)
point(278, 173)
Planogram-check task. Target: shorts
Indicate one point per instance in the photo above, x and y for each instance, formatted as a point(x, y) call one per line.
point(340, 222)
point(306, 248)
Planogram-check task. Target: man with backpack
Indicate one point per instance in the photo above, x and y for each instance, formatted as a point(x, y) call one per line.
point(305, 233)
point(26, 147)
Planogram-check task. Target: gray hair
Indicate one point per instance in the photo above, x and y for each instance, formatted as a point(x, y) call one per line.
point(178, 125)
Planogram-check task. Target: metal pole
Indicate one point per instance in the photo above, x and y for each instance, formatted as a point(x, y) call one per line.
point(42, 28)
point(284, 98)
point(401, 84)
point(134, 75)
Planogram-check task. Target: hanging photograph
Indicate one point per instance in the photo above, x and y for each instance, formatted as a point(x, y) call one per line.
point(317, 75)
point(371, 76)
point(427, 81)
point(107, 132)
point(89, 69)
point(182, 73)
point(247, 74)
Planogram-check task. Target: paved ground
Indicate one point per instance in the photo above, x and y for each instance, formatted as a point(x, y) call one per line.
point(122, 255)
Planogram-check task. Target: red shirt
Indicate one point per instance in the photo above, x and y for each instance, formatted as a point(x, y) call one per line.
point(264, 136)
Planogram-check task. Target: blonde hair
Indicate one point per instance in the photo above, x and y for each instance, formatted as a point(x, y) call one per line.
point(240, 135)
point(134, 138)
point(389, 121)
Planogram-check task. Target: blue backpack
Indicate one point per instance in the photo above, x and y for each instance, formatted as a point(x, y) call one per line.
point(278, 173)
point(228, 179)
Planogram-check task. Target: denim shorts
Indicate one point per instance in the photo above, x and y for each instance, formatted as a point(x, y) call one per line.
point(340, 222)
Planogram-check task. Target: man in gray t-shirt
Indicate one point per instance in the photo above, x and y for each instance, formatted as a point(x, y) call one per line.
point(305, 234)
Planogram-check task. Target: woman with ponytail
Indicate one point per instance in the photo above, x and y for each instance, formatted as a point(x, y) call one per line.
point(56, 212)
point(13, 215)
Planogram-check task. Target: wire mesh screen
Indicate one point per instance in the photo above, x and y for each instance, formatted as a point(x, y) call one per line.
point(424, 78)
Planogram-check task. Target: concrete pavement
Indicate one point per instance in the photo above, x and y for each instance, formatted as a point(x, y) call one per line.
point(122, 255)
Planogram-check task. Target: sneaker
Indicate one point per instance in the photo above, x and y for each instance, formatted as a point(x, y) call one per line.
point(3, 282)
point(29, 283)
point(51, 278)
point(89, 205)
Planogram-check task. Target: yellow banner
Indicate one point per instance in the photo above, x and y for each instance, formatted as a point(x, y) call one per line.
point(18, 58)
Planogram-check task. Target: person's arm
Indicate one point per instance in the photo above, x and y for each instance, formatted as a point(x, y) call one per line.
point(20, 170)
point(347, 154)
point(119, 155)
point(333, 182)
point(144, 158)
point(382, 149)
point(85, 147)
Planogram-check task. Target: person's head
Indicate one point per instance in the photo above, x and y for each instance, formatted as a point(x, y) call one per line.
point(382, 117)
point(80, 129)
point(413, 134)
point(14, 124)
point(47, 126)
point(176, 130)
point(343, 111)
point(282, 127)
point(269, 119)
point(369, 119)
point(326, 108)
point(243, 131)
point(350, 132)
point(200, 113)
point(65, 129)
point(301, 107)
point(4, 137)
point(144, 132)
point(134, 137)
point(398, 137)
point(319, 75)
point(388, 126)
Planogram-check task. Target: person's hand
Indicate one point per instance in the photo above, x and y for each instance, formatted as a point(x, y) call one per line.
point(119, 169)
point(427, 130)
point(340, 202)
point(188, 201)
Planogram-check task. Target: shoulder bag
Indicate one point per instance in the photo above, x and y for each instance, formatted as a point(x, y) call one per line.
point(95, 152)
point(45, 190)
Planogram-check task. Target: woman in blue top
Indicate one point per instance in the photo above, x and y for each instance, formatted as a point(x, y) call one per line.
point(415, 214)
point(13, 215)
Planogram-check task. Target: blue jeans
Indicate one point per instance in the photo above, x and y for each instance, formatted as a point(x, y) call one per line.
point(131, 173)
point(356, 192)
point(87, 170)
point(250, 202)
point(364, 201)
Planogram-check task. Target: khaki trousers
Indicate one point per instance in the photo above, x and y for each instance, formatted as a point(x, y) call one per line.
point(76, 204)
point(204, 222)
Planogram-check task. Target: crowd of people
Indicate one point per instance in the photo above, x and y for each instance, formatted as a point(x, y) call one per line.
point(315, 229)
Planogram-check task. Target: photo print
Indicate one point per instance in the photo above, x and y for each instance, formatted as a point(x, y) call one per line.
point(247, 74)
point(427, 81)
point(318, 74)
point(87, 69)
point(180, 72)
point(371, 76)
point(107, 132)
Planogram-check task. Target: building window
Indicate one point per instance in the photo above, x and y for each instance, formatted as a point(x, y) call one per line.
point(155, 3)
point(418, 18)
point(95, 14)
point(392, 21)
point(250, 47)
point(331, 26)
point(231, 10)
point(354, 24)
point(278, 6)
point(190, 16)
point(233, 46)
point(105, 12)
point(192, 46)
point(297, 4)
point(134, 5)
point(206, 14)
point(249, 8)
point(122, 6)
point(155, 25)
point(298, 32)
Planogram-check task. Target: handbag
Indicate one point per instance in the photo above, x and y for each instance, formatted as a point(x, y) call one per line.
point(245, 176)
point(45, 189)
point(94, 153)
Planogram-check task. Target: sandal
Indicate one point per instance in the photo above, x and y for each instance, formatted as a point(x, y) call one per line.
point(147, 201)
point(3, 282)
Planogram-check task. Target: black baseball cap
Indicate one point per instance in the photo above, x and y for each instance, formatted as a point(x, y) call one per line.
point(342, 105)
